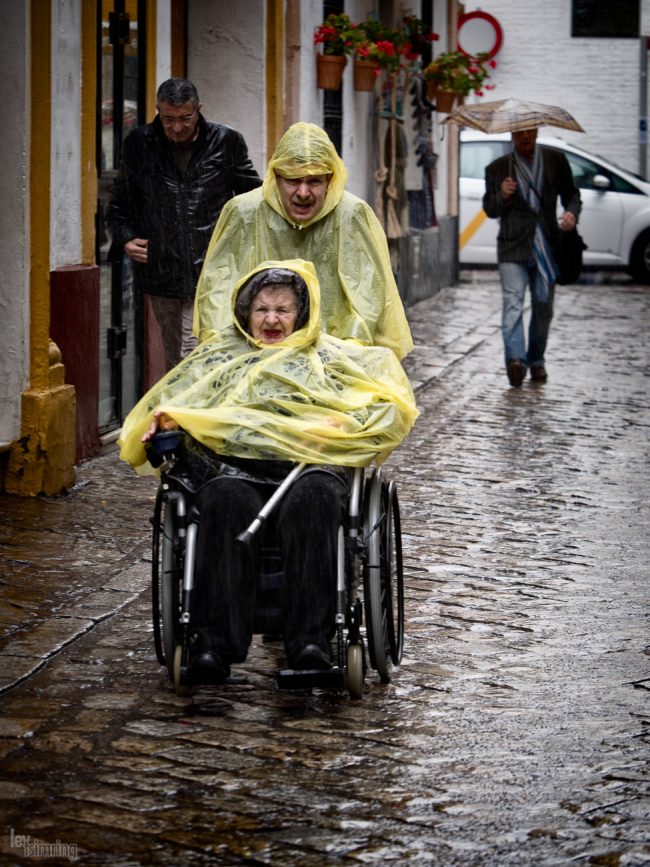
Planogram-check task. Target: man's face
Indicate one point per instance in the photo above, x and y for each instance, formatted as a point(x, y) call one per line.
point(524, 141)
point(303, 198)
point(179, 121)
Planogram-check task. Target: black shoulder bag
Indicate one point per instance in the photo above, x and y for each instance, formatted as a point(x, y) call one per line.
point(568, 256)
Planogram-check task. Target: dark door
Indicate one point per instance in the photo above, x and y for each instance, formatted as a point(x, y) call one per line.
point(120, 108)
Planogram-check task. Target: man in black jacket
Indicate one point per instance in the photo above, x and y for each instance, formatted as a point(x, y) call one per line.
point(521, 190)
point(175, 176)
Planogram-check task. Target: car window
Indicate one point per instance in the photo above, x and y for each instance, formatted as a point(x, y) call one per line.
point(476, 155)
point(585, 170)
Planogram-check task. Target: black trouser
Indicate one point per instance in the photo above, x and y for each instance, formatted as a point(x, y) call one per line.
point(307, 522)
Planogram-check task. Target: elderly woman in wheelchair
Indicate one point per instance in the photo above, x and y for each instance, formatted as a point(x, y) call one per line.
point(273, 408)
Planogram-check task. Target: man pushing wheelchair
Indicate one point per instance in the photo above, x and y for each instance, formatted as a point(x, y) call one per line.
point(267, 388)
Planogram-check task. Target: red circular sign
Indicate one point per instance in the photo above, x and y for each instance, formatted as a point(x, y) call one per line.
point(481, 34)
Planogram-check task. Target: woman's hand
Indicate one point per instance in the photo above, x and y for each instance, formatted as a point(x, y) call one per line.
point(160, 421)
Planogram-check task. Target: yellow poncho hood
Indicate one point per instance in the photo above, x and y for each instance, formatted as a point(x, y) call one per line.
point(310, 398)
point(305, 149)
point(345, 242)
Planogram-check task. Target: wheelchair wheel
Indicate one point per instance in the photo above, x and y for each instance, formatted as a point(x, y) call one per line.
point(383, 576)
point(167, 574)
point(392, 566)
point(355, 670)
point(156, 550)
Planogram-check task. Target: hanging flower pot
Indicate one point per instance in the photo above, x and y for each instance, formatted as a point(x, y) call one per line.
point(445, 100)
point(365, 74)
point(329, 70)
point(457, 73)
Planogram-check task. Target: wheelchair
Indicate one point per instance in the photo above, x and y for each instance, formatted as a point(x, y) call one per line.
point(369, 619)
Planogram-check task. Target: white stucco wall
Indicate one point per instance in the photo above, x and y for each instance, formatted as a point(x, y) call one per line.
point(310, 98)
point(65, 194)
point(358, 108)
point(14, 216)
point(226, 63)
point(597, 80)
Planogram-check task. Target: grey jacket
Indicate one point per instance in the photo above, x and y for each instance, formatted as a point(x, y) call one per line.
point(517, 218)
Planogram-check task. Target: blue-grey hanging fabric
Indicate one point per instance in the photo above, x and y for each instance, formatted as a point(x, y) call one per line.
point(530, 185)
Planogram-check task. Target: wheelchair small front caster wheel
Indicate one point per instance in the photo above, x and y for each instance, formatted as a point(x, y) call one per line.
point(179, 686)
point(355, 670)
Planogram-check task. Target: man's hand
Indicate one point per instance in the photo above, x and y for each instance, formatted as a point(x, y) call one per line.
point(567, 221)
point(136, 248)
point(508, 187)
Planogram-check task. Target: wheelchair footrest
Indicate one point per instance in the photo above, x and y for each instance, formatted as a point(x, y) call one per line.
point(332, 678)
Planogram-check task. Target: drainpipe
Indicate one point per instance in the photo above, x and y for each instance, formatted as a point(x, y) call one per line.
point(453, 131)
point(644, 43)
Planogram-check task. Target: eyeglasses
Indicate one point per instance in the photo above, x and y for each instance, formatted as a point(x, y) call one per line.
point(184, 120)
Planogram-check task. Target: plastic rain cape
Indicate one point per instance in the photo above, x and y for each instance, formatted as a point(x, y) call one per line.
point(345, 241)
point(312, 397)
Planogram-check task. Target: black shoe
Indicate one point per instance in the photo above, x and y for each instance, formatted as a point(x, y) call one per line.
point(538, 374)
point(516, 371)
point(311, 657)
point(207, 667)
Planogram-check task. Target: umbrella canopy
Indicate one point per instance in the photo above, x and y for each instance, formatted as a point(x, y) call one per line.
point(511, 115)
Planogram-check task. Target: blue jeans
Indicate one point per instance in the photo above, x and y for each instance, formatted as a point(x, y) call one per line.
point(514, 279)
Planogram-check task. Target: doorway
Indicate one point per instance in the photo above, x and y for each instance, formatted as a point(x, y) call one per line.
point(121, 106)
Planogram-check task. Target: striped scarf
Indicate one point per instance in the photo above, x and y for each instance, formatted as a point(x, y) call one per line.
point(531, 181)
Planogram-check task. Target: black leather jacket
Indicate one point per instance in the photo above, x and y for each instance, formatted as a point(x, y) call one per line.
point(176, 213)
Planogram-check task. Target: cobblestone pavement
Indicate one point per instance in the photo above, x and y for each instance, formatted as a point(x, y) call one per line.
point(514, 733)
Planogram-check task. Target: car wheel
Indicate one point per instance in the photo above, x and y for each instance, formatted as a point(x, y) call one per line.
point(640, 258)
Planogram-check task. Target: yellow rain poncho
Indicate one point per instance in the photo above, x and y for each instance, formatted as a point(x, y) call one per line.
point(345, 241)
point(312, 397)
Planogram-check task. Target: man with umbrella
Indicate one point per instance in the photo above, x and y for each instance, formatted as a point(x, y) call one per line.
point(521, 191)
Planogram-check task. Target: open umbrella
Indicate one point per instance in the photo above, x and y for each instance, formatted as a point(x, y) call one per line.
point(511, 115)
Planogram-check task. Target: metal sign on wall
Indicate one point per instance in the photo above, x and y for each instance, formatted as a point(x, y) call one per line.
point(479, 33)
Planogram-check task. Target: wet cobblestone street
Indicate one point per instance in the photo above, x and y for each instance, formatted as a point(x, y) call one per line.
point(515, 732)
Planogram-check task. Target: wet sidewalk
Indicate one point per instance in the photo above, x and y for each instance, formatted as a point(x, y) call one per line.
point(513, 734)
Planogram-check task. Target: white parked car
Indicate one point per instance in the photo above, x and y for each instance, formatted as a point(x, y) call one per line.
point(615, 217)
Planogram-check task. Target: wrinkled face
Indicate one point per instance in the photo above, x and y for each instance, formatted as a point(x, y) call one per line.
point(179, 121)
point(273, 314)
point(524, 141)
point(303, 198)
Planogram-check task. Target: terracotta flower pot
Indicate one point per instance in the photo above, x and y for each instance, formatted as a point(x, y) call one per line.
point(365, 75)
point(445, 100)
point(329, 70)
